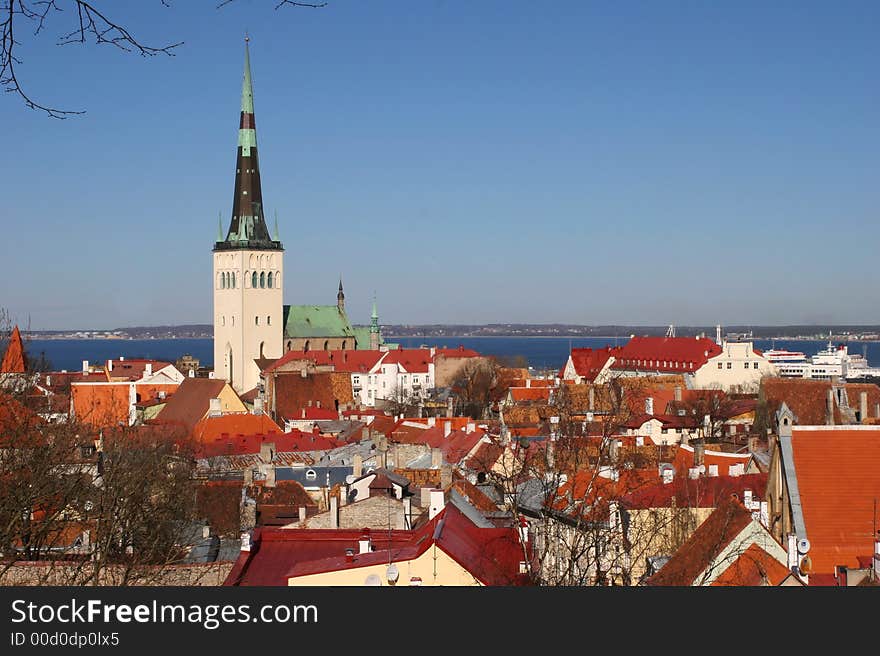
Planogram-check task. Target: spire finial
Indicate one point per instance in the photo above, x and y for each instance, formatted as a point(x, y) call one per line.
point(220, 226)
point(276, 226)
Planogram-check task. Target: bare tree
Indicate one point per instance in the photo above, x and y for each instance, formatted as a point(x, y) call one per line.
point(473, 386)
point(82, 21)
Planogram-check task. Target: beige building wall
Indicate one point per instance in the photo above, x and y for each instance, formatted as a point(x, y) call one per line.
point(737, 366)
point(319, 344)
point(247, 319)
point(434, 567)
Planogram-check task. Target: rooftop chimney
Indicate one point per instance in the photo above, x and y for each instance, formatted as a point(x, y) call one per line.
point(302, 513)
point(678, 393)
point(365, 544)
point(436, 458)
point(436, 504)
point(699, 453)
point(432, 421)
point(334, 512)
point(258, 406)
point(245, 541)
point(447, 428)
point(357, 465)
point(471, 427)
point(649, 405)
point(863, 406)
point(267, 451)
point(85, 366)
point(110, 365)
point(718, 334)
point(148, 369)
point(214, 408)
point(449, 407)
point(528, 383)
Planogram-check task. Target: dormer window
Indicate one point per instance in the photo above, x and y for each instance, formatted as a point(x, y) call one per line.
point(311, 475)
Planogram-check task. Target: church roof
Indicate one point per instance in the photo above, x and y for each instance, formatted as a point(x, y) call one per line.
point(362, 336)
point(316, 321)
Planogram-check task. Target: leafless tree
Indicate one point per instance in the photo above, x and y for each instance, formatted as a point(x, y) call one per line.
point(82, 21)
point(473, 386)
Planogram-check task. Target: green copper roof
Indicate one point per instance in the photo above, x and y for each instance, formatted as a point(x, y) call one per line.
point(316, 321)
point(362, 335)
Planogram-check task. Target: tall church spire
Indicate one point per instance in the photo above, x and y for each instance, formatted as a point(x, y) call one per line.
point(340, 297)
point(374, 327)
point(247, 228)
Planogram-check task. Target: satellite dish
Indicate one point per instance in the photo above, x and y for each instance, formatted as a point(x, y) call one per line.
point(372, 580)
point(803, 545)
point(392, 574)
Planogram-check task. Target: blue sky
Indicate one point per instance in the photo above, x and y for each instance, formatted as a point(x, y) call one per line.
point(470, 162)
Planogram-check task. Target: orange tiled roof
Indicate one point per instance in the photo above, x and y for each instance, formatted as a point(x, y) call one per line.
point(210, 428)
point(753, 567)
point(711, 537)
point(806, 398)
point(14, 361)
point(838, 476)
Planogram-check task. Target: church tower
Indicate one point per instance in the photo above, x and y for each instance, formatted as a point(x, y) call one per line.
point(248, 267)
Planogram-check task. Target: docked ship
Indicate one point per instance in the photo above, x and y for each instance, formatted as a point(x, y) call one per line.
point(829, 363)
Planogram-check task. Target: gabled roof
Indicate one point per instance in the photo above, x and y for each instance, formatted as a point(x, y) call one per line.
point(806, 398)
point(666, 354)
point(316, 321)
point(699, 551)
point(754, 567)
point(413, 361)
point(191, 401)
point(838, 478)
point(589, 362)
point(14, 360)
point(134, 369)
point(520, 394)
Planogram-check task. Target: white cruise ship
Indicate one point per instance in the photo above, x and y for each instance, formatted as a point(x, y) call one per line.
point(831, 362)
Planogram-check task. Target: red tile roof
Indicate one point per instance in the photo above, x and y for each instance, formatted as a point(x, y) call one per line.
point(838, 476)
point(698, 552)
point(753, 567)
point(414, 361)
point(239, 423)
point(292, 442)
point(589, 362)
point(348, 360)
point(806, 398)
point(14, 361)
point(665, 354)
point(704, 492)
point(133, 369)
point(519, 394)
point(491, 555)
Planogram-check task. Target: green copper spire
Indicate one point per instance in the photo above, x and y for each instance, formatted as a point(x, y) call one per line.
point(374, 318)
point(247, 89)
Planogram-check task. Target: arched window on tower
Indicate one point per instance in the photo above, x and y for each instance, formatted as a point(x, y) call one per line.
point(327, 345)
point(289, 345)
point(223, 320)
point(306, 346)
point(269, 280)
point(343, 345)
point(262, 279)
point(233, 279)
point(254, 280)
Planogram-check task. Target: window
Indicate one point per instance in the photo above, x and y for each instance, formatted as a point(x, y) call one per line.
point(233, 320)
point(311, 475)
point(268, 320)
point(754, 365)
point(233, 279)
point(730, 365)
point(257, 320)
point(262, 279)
point(720, 365)
point(254, 279)
point(746, 365)
point(223, 320)
point(269, 281)
point(356, 380)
